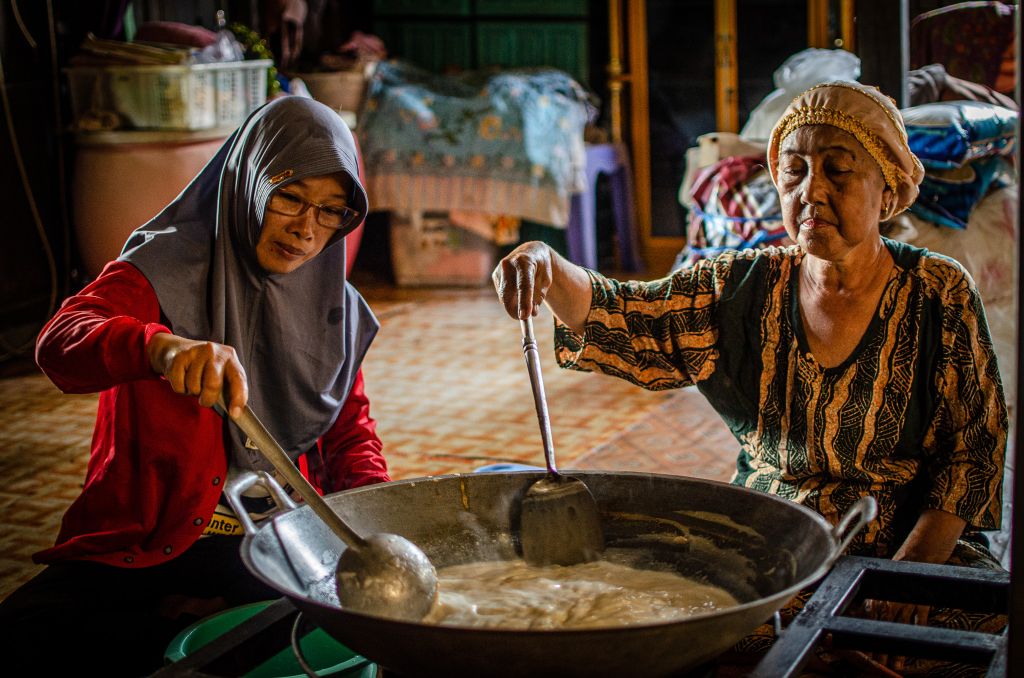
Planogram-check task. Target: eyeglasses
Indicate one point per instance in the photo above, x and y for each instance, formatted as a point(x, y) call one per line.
point(328, 216)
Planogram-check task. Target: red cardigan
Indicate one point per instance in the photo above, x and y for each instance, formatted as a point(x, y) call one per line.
point(158, 459)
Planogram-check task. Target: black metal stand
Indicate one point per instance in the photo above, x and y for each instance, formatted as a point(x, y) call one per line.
point(853, 580)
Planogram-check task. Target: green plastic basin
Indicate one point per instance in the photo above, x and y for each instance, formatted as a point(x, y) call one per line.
point(324, 654)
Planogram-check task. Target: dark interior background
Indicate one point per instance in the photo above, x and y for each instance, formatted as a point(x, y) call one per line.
point(681, 61)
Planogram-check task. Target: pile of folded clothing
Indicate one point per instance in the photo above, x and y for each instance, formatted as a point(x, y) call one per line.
point(967, 208)
point(967, 149)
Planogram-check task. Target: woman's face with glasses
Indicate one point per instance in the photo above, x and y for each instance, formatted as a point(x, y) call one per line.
point(300, 220)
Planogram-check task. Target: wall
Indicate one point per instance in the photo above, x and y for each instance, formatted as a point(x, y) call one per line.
point(27, 283)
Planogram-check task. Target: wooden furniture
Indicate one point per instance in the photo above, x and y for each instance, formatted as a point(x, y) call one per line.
point(616, 77)
point(817, 24)
point(727, 76)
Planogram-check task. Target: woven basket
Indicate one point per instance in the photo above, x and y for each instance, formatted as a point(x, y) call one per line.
point(342, 91)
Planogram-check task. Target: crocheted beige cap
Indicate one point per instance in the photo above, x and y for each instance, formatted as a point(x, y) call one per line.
point(872, 119)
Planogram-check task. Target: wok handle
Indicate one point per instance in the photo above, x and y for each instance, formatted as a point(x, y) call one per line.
point(540, 401)
point(863, 512)
point(239, 481)
point(265, 443)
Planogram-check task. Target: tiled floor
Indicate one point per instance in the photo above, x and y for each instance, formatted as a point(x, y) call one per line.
point(448, 388)
point(681, 436)
point(44, 449)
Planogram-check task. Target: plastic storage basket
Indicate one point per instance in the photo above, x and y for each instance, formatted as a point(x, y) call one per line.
point(199, 96)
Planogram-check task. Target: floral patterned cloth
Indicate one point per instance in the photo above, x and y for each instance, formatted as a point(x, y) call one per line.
point(504, 143)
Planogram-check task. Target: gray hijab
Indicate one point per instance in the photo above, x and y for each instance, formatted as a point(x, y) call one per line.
point(300, 336)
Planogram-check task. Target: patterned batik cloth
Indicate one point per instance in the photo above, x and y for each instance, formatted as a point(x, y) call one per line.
point(915, 417)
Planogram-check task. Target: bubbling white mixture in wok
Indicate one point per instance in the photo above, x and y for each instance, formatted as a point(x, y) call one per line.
point(514, 595)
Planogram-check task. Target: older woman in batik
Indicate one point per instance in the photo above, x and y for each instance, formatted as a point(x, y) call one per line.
point(846, 365)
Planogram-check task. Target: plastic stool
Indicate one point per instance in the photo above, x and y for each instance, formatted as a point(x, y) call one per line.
point(581, 233)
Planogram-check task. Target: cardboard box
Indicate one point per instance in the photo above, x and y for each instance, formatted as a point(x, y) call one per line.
point(427, 250)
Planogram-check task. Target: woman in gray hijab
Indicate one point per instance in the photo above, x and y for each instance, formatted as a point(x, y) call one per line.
point(239, 284)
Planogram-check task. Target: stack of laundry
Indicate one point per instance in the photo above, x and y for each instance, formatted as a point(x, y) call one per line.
point(967, 208)
point(966, 148)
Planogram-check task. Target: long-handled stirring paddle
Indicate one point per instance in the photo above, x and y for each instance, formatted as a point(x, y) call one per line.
point(560, 522)
point(383, 574)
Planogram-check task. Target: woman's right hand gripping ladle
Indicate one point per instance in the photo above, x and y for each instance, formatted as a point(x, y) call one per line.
point(384, 575)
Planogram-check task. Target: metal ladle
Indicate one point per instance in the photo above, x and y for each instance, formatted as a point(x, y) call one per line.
point(559, 523)
point(383, 574)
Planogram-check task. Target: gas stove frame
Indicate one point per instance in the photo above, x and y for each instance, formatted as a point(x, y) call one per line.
point(855, 579)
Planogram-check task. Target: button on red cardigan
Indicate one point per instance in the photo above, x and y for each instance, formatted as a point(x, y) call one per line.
point(158, 458)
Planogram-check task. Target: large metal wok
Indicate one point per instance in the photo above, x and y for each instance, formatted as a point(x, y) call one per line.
point(760, 548)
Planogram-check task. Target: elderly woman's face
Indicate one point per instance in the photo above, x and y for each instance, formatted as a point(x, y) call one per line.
point(288, 242)
point(832, 191)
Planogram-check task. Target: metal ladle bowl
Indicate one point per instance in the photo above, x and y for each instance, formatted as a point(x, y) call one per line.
point(383, 574)
point(389, 575)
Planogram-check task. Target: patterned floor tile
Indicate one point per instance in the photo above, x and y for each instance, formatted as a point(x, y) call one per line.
point(682, 436)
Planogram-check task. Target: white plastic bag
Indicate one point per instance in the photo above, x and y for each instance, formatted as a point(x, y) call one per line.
point(798, 74)
point(225, 48)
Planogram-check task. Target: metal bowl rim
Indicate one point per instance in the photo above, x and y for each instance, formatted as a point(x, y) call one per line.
point(786, 593)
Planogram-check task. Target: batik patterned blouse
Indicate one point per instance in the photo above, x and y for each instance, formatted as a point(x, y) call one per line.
point(915, 417)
